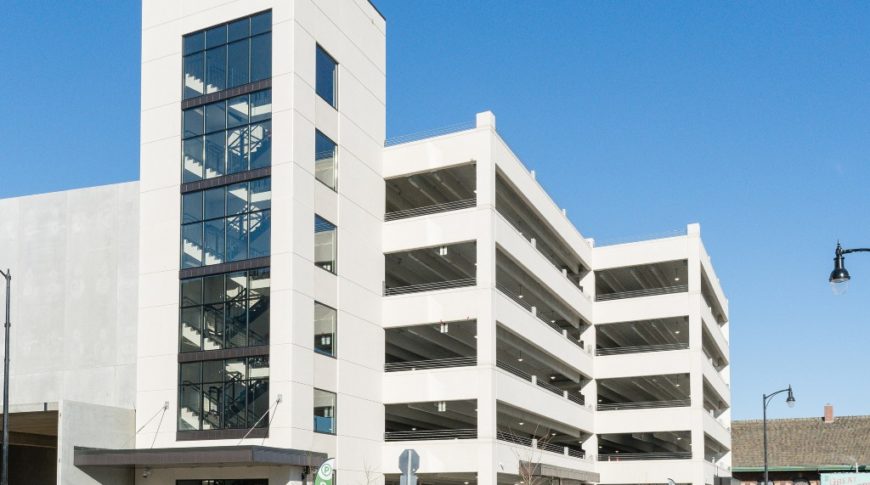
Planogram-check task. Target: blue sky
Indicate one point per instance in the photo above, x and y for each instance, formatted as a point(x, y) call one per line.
point(750, 118)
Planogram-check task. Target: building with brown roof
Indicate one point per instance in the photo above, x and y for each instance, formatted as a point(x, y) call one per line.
point(800, 450)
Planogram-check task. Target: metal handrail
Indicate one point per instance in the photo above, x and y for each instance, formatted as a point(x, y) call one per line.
point(551, 447)
point(665, 290)
point(513, 370)
point(438, 285)
point(430, 209)
point(576, 453)
point(665, 455)
point(633, 349)
point(430, 364)
point(551, 388)
point(421, 135)
point(512, 438)
point(513, 296)
point(616, 406)
point(577, 398)
point(431, 434)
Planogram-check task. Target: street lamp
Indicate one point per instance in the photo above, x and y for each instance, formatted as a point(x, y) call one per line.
point(766, 399)
point(4, 474)
point(839, 278)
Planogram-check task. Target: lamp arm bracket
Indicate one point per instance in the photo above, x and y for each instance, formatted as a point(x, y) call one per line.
point(856, 250)
point(768, 397)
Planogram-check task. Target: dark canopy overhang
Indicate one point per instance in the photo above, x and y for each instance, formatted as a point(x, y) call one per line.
point(197, 456)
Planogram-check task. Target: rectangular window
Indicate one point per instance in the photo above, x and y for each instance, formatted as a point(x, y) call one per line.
point(325, 245)
point(324, 411)
point(227, 137)
point(224, 311)
point(223, 394)
point(325, 325)
point(324, 159)
point(226, 224)
point(326, 82)
point(227, 55)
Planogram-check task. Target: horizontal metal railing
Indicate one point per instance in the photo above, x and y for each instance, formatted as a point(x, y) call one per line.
point(431, 435)
point(430, 209)
point(551, 447)
point(634, 349)
point(617, 406)
point(420, 135)
point(513, 370)
point(430, 364)
point(513, 438)
point(577, 399)
point(576, 453)
point(665, 290)
point(525, 304)
point(438, 285)
point(664, 455)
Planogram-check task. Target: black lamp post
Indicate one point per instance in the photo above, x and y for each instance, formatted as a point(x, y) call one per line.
point(766, 399)
point(4, 475)
point(840, 277)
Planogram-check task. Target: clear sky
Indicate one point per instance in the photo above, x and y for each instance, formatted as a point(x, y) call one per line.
point(752, 118)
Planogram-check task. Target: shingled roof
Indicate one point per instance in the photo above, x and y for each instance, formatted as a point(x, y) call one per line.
point(806, 442)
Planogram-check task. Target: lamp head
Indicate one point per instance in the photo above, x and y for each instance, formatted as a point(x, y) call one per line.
point(839, 278)
point(790, 399)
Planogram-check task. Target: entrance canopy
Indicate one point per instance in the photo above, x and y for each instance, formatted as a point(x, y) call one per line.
point(197, 456)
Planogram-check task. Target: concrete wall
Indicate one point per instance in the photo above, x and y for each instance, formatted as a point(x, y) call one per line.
point(73, 257)
point(93, 426)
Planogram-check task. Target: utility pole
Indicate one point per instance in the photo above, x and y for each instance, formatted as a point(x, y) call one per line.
point(4, 475)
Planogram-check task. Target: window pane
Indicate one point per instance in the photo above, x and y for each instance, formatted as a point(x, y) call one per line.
point(194, 75)
point(215, 155)
point(237, 150)
point(259, 283)
point(237, 63)
point(237, 286)
point(258, 399)
point(215, 117)
point(191, 292)
point(261, 105)
point(258, 367)
point(261, 57)
point(191, 204)
point(324, 159)
point(216, 36)
point(191, 373)
point(216, 69)
point(324, 329)
point(212, 397)
point(325, 82)
point(237, 112)
point(191, 242)
point(213, 289)
point(261, 23)
point(193, 122)
point(325, 249)
point(239, 29)
point(236, 324)
point(261, 145)
point(260, 233)
point(191, 329)
point(237, 198)
point(235, 394)
point(324, 412)
point(189, 407)
point(214, 203)
point(193, 160)
point(194, 42)
point(237, 238)
point(214, 242)
point(261, 194)
point(213, 327)
point(258, 321)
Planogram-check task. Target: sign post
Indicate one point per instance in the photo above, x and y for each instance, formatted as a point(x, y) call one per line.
point(409, 463)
